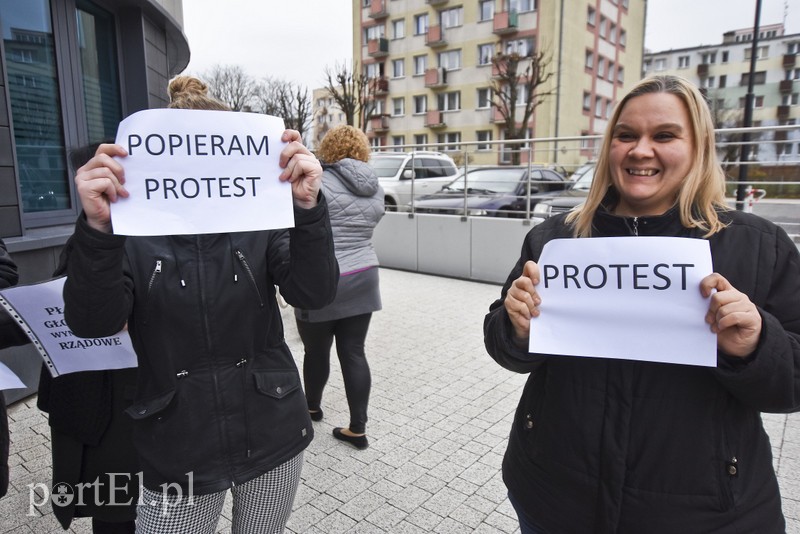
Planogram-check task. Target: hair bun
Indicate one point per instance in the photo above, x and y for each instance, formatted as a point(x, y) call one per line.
point(186, 86)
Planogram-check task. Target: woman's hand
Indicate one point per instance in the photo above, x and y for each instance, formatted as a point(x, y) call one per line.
point(732, 316)
point(301, 169)
point(522, 301)
point(99, 183)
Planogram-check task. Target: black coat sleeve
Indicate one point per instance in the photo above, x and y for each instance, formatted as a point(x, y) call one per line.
point(10, 332)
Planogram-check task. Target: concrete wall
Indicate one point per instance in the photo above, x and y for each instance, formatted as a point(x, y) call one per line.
point(483, 249)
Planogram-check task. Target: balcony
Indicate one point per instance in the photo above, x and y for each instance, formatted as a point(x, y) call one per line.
point(434, 119)
point(783, 113)
point(702, 70)
point(377, 9)
point(497, 117)
point(435, 2)
point(378, 47)
point(378, 86)
point(789, 60)
point(780, 135)
point(785, 86)
point(435, 37)
point(505, 23)
point(436, 78)
point(379, 123)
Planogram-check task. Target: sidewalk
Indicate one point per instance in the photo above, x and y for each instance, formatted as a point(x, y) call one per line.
point(440, 412)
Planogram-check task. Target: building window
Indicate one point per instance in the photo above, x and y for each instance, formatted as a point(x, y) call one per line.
point(374, 70)
point(421, 24)
point(484, 98)
point(598, 108)
point(420, 64)
point(486, 9)
point(708, 58)
point(793, 74)
point(398, 140)
point(758, 102)
point(601, 67)
point(399, 28)
point(483, 138)
point(723, 80)
point(591, 16)
point(725, 56)
point(450, 60)
point(620, 74)
point(612, 33)
point(420, 104)
point(374, 32)
point(398, 68)
point(660, 64)
point(602, 27)
point(398, 107)
point(449, 101)
point(485, 54)
point(421, 140)
point(761, 52)
point(522, 47)
point(451, 18)
point(521, 5)
point(589, 61)
point(683, 62)
point(759, 78)
point(793, 48)
point(450, 140)
point(587, 101)
point(623, 37)
point(708, 83)
point(790, 100)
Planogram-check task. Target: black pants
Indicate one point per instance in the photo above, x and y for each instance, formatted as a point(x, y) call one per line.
point(350, 334)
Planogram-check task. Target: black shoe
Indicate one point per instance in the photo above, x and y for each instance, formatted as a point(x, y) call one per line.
point(359, 442)
point(316, 415)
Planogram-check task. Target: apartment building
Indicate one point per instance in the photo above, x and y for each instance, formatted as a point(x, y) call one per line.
point(432, 62)
point(325, 115)
point(722, 71)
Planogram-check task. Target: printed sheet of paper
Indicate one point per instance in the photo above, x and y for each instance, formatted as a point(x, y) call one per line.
point(8, 380)
point(39, 310)
point(198, 172)
point(633, 298)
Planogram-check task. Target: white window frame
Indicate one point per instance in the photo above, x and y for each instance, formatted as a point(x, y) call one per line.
point(398, 106)
point(399, 28)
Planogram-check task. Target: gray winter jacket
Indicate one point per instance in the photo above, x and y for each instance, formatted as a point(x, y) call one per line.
point(355, 204)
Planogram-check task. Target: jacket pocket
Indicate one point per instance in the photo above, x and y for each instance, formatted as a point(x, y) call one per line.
point(276, 384)
point(149, 408)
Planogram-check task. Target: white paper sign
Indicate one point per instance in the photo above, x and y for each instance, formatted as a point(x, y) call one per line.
point(633, 298)
point(8, 380)
point(196, 172)
point(39, 310)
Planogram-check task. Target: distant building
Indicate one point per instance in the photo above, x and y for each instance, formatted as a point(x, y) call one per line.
point(326, 115)
point(432, 60)
point(722, 72)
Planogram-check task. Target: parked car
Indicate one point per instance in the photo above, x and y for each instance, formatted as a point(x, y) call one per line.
point(493, 191)
point(403, 175)
point(567, 199)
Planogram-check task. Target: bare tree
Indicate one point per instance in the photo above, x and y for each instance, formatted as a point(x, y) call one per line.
point(353, 92)
point(517, 91)
point(728, 144)
point(287, 100)
point(231, 85)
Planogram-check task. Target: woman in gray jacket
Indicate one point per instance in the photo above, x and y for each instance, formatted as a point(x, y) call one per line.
point(355, 204)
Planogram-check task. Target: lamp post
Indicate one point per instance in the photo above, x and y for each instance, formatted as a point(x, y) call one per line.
point(744, 153)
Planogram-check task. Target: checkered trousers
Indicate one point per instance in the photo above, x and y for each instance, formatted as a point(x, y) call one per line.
point(260, 506)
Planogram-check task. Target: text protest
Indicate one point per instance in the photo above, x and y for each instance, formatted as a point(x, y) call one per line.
point(198, 171)
point(39, 310)
point(634, 298)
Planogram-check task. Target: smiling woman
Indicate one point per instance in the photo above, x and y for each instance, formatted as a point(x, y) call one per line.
point(606, 444)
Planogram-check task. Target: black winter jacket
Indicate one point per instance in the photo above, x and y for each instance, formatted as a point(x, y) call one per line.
point(219, 400)
point(617, 446)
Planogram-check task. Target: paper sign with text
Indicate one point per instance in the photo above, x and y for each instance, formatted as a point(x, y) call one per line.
point(632, 298)
point(198, 172)
point(39, 311)
point(8, 380)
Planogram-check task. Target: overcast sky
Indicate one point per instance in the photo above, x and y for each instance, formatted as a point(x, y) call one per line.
point(296, 40)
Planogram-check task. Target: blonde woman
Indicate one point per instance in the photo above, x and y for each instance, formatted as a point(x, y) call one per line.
point(605, 445)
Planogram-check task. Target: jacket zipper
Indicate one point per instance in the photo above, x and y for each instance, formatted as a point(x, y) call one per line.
point(153, 276)
point(242, 364)
point(636, 226)
point(249, 271)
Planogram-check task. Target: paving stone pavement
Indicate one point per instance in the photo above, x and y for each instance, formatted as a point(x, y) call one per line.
point(440, 411)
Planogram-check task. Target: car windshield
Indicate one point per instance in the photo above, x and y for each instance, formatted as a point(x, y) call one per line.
point(487, 181)
point(585, 181)
point(385, 167)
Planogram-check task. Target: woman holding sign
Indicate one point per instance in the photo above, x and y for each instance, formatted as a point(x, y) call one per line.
point(613, 445)
point(219, 403)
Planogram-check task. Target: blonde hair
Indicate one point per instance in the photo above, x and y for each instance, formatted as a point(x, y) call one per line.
point(341, 142)
point(188, 92)
point(702, 193)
